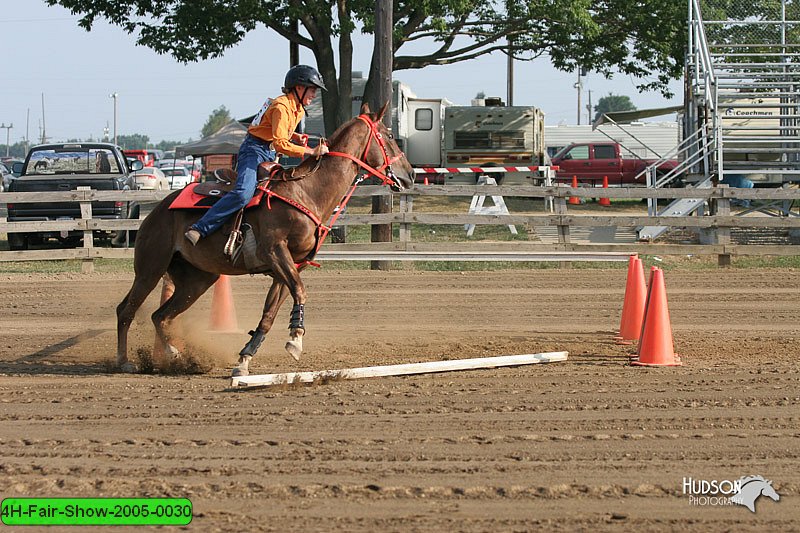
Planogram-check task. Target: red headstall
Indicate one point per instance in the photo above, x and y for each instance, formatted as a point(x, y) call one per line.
point(380, 173)
point(387, 161)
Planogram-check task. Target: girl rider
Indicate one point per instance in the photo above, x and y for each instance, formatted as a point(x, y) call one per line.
point(272, 130)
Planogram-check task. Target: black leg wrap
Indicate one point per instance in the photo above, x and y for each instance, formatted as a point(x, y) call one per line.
point(252, 346)
point(296, 320)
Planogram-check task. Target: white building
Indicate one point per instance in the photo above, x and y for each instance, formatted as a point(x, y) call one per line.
point(643, 139)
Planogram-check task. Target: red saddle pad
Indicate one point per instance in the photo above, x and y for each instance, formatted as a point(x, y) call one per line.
point(188, 199)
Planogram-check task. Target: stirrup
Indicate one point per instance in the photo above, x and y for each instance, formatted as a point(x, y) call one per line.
point(234, 240)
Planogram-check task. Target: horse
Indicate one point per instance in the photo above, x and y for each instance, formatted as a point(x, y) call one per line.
point(751, 488)
point(288, 230)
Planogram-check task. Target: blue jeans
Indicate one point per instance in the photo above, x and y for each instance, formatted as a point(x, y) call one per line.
point(252, 153)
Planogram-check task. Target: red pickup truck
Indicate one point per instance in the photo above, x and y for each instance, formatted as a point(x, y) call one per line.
point(590, 162)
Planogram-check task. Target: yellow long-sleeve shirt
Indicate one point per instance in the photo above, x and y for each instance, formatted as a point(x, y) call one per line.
point(278, 123)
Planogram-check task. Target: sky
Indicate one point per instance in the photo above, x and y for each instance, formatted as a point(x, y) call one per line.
point(77, 71)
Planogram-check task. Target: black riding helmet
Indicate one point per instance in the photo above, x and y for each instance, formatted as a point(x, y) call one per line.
point(303, 75)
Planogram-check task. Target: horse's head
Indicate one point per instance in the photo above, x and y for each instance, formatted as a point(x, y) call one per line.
point(768, 491)
point(382, 152)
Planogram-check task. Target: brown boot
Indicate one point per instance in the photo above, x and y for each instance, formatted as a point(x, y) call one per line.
point(193, 236)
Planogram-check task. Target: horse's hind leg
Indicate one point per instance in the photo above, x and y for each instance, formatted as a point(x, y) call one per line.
point(275, 298)
point(143, 285)
point(285, 271)
point(190, 283)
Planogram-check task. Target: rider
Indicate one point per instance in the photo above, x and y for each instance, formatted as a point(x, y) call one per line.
point(272, 130)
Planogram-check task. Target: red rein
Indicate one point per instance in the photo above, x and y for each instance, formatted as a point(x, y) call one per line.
point(322, 229)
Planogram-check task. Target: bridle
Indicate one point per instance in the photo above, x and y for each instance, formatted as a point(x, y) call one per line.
point(383, 172)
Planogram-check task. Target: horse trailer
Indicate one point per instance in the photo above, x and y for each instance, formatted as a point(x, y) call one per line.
point(433, 132)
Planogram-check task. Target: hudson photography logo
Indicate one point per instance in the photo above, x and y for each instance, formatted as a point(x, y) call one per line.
point(743, 491)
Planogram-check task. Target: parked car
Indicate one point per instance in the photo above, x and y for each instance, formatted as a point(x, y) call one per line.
point(142, 155)
point(10, 164)
point(5, 177)
point(192, 166)
point(179, 176)
point(591, 162)
point(155, 154)
point(152, 178)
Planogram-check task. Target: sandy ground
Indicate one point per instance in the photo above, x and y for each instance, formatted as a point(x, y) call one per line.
point(590, 444)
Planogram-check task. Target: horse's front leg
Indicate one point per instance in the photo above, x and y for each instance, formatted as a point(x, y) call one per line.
point(296, 331)
point(285, 270)
point(275, 298)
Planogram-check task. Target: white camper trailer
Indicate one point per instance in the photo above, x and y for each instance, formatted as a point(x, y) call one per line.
point(433, 132)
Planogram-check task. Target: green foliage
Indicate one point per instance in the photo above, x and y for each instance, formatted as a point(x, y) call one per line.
point(16, 150)
point(136, 141)
point(645, 39)
point(752, 10)
point(170, 145)
point(216, 120)
point(613, 102)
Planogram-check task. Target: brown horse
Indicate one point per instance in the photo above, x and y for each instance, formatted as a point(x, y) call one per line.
point(286, 237)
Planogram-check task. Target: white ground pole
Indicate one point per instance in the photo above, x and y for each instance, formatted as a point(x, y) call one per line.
point(266, 380)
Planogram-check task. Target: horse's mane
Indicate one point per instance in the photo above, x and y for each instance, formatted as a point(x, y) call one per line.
point(745, 480)
point(333, 140)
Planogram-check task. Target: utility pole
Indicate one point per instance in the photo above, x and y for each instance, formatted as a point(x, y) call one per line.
point(8, 134)
point(27, 130)
point(579, 86)
point(114, 96)
point(510, 75)
point(589, 108)
point(44, 132)
point(294, 48)
point(384, 53)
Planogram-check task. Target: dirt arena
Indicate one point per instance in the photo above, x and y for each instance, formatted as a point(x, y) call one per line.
point(588, 444)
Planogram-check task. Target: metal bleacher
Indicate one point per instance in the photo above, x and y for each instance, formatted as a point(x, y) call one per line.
point(742, 109)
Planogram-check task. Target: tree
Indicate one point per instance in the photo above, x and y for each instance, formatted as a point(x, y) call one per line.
point(216, 120)
point(613, 102)
point(646, 42)
point(16, 150)
point(137, 141)
point(170, 145)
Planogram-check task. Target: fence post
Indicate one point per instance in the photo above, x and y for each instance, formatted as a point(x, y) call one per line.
point(723, 233)
point(406, 207)
point(87, 263)
point(560, 206)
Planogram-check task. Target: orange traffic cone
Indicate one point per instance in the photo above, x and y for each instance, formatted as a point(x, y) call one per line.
point(223, 314)
point(574, 200)
point(630, 325)
point(426, 180)
point(655, 344)
point(605, 202)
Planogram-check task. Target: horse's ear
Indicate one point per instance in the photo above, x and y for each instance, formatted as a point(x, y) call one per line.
point(382, 112)
point(365, 109)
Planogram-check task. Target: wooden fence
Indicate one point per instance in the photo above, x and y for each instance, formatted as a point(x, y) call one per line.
point(557, 215)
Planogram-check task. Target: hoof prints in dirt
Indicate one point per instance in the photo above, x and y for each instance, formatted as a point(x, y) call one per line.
point(187, 363)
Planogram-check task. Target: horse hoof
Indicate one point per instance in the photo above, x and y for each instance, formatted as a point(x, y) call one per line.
point(294, 349)
point(239, 372)
point(242, 369)
point(128, 368)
